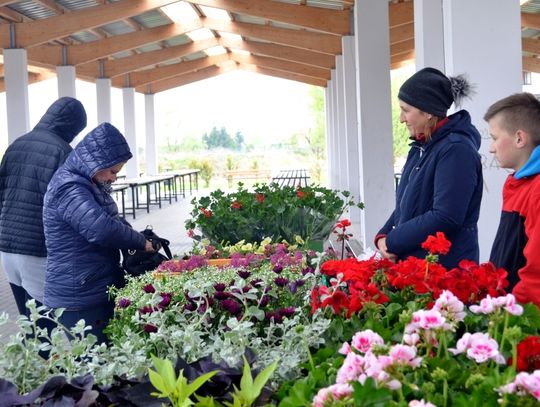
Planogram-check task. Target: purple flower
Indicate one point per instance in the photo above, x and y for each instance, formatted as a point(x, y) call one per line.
point(221, 295)
point(149, 288)
point(220, 287)
point(244, 274)
point(300, 283)
point(265, 299)
point(150, 328)
point(231, 306)
point(190, 306)
point(293, 288)
point(273, 316)
point(146, 310)
point(278, 269)
point(286, 312)
point(124, 303)
point(256, 282)
point(308, 270)
point(281, 281)
point(165, 299)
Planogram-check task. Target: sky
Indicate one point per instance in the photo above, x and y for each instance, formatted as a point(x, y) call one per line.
point(263, 108)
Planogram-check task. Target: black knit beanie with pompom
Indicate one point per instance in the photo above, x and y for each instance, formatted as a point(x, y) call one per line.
point(433, 92)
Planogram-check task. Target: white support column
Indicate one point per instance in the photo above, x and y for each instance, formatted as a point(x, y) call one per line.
point(132, 166)
point(329, 133)
point(428, 34)
point(16, 80)
point(65, 76)
point(351, 124)
point(151, 151)
point(335, 132)
point(496, 72)
point(103, 100)
point(340, 117)
point(374, 114)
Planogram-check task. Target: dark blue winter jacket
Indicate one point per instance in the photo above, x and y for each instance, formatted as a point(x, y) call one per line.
point(27, 167)
point(83, 231)
point(440, 191)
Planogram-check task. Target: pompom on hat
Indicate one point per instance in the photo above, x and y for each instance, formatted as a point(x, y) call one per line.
point(433, 92)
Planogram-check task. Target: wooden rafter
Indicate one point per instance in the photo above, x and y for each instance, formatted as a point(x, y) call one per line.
point(51, 55)
point(280, 65)
point(329, 44)
point(120, 66)
point(530, 20)
point(175, 81)
point(283, 75)
point(531, 64)
point(152, 75)
point(401, 13)
point(316, 18)
point(41, 31)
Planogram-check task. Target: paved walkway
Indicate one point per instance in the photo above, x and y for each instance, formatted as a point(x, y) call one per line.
point(167, 222)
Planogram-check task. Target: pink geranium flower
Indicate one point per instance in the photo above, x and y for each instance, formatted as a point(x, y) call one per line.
point(363, 341)
point(335, 391)
point(524, 383)
point(478, 347)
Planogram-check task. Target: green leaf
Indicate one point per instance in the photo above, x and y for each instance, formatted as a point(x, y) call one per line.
point(263, 377)
point(158, 383)
point(198, 382)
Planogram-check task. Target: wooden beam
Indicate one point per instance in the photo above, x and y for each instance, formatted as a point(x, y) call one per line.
point(531, 64)
point(316, 18)
point(51, 55)
point(401, 13)
point(120, 66)
point(401, 47)
point(51, 5)
point(283, 75)
point(404, 59)
point(41, 31)
point(6, 2)
point(153, 75)
point(530, 45)
point(280, 65)
point(401, 33)
point(11, 16)
point(530, 20)
point(185, 79)
point(326, 43)
point(282, 52)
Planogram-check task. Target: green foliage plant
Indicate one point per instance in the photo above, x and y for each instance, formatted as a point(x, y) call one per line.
point(176, 389)
point(206, 170)
point(268, 211)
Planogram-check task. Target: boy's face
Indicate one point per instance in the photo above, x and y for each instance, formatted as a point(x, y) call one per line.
point(505, 145)
point(108, 175)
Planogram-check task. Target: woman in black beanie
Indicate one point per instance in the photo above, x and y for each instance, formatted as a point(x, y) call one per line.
point(441, 184)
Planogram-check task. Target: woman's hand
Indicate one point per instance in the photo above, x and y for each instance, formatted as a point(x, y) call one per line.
point(148, 247)
point(383, 249)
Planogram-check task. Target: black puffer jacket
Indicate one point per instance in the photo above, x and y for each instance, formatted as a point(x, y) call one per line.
point(27, 167)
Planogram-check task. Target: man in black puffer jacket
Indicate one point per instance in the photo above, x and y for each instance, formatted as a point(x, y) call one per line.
point(27, 167)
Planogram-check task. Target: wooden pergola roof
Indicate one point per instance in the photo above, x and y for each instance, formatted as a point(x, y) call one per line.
point(138, 44)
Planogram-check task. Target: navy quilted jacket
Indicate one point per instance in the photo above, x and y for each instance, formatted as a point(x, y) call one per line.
point(440, 191)
point(82, 228)
point(27, 167)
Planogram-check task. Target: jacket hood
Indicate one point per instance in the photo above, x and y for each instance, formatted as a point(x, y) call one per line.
point(66, 118)
point(102, 148)
point(459, 122)
point(531, 167)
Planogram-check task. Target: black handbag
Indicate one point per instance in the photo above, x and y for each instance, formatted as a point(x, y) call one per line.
point(137, 262)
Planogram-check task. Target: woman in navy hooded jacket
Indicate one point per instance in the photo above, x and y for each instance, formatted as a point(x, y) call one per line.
point(441, 184)
point(83, 231)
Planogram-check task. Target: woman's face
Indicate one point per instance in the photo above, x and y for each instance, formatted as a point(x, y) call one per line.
point(108, 175)
point(415, 120)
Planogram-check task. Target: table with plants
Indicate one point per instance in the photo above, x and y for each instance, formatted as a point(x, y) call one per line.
point(280, 323)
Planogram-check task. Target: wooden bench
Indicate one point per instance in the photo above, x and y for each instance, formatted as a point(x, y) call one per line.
point(254, 173)
point(292, 178)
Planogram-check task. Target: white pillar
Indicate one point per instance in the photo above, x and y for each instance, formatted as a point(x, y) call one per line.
point(16, 80)
point(329, 133)
point(151, 151)
point(65, 76)
point(132, 166)
point(496, 72)
point(103, 100)
point(428, 34)
point(351, 124)
point(335, 132)
point(340, 117)
point(374, 114)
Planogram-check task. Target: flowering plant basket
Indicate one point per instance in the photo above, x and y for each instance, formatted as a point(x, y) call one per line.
point(267, 211)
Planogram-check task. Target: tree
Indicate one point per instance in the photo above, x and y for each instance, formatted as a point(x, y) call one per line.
point(316, 136)
point(238, 140)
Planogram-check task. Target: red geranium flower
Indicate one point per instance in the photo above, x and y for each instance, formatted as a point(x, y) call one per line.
point(236, 205)
point(260, 198)
point(437, 244)
point(206, 212)
point(300, 194)
point(528, 354)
